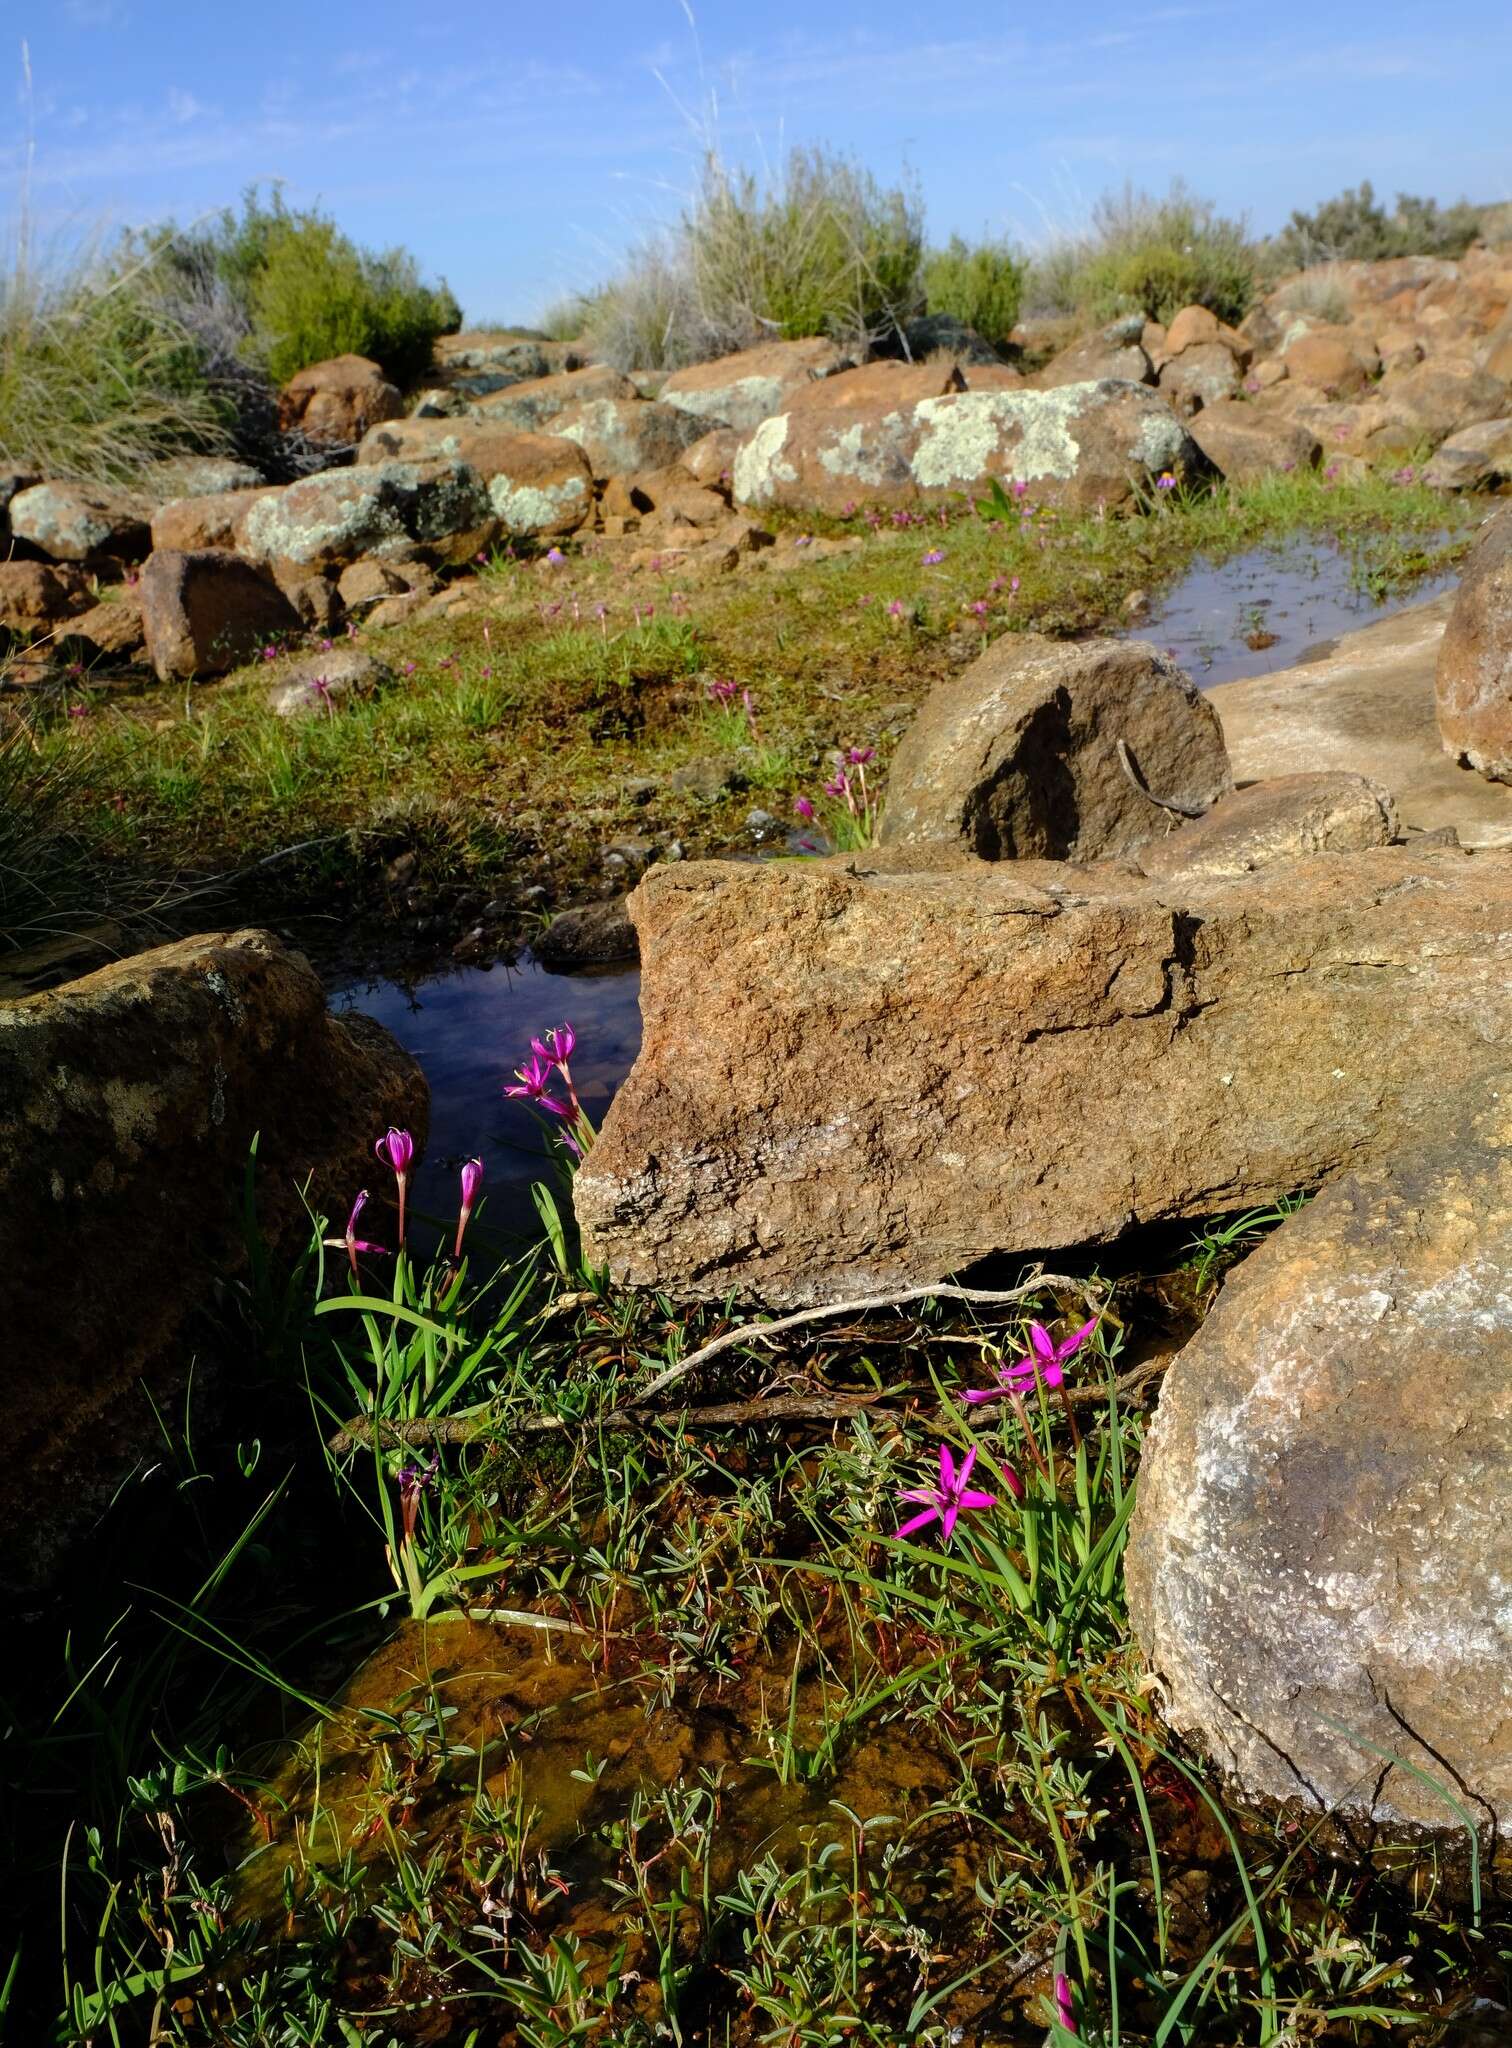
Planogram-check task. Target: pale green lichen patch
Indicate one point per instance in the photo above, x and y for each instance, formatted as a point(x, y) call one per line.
point(744, 401)
point(1161, 442)
point(759, 468)
point(538, 508)
point(866, 454)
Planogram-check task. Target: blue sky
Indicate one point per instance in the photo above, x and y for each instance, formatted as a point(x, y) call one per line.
point(519, 150)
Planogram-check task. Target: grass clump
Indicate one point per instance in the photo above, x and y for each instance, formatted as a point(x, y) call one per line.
point(1142, 254)
point(99, 374)
point(980, 283)
point(822, 248)
point(1355, 227)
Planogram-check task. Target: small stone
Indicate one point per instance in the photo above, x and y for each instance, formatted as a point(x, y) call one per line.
point(319, 685)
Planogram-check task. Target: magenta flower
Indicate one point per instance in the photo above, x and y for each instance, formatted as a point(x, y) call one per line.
point(353, 1243)
point(413, 1481)
point(931, 556)
point(472, 1180)
point(803, 808)
point(1046, 1362)
point(557, 1047)
point(721, 691)
point(943, 1503)
point(837, 784)
point(859, 756)
point(1065, 2011)
point(396, 1150)
point(1165, 481)
point(534, 1086)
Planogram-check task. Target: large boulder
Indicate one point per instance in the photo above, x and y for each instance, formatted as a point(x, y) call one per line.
point(128, 1105)
point(854, 1078)
point(207, 610)
point(1018, 757)
point(1081, 446)
point(622, 435)
point(334, 403)
point(1319, 1560)
point(1202, 375)
point(744, 389)
point(1283, 819)
point(1473, 685)
point(439, 512)
point(1477, 458)
point(80, 522)
point(529, 407)
point(1332, 360)
point(538, 484)
point(1243, 441)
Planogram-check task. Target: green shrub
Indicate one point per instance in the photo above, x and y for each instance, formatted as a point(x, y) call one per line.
point(822, 249)
point(1354, 226)
point(980, 283)
point(1147, 255)
point(316, 294)
point(98, 375)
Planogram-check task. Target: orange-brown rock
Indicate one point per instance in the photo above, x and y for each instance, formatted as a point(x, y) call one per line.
point(1330, 360)
point(1284, 818)
point(204, 522)
point(35, 596)
point(529, 407)
point(334, 403)
point(539, 485)
point(1249, 440)
point(854, 1078)
point(207, 610)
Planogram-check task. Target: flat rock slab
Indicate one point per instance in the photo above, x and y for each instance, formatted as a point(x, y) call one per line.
point(1320, 1559)
point(854, 1077)
point(1365, 703)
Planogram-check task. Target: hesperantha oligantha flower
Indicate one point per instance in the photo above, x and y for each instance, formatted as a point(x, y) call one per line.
point(803, 807)
point(945, 1502)
point(352, 1242)
point(533, 1084)
point(555, 1047)
point(1065, 2010)
point(1046, 1362)
point(396, 1149)
point(472, 1180)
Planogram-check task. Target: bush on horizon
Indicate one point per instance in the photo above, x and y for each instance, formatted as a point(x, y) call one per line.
point(1142, 254)
point(822, 248)
point(1355, 227)
point(979, 283)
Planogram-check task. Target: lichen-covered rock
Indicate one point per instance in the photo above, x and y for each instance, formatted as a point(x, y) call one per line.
point(743, 390)
point(80, 522)
point(204, 611)
point(539, 485)
point(1080, 446)
point(854, 1078)
point(334, 403)
point(1285, 818)
point(207, 520)
point(1017, 757)
point(1319, 1560)
point(711, 458)
point(1115, 352)
point(1243, 441)
point(34, 596)
point(622, 435)
point(439, 512)
point(1203, 374)
point(530, 407)
point(197, 476)
point(1473, 686)
point(128, 1104)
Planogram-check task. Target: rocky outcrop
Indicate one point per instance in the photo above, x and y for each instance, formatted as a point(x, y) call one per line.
point(743, 390)
point(334, 403)
point(128, 1105)
point(438, 512)
point(1018, 757)
point(207, 611)
point(853, 1078)
point(206, 520)
point(1284, 819)
point(79, 523)
point(539, 485)
point(1474, 680)
point(1202, 375)
point(1319, 1561)
point(622, 435)
point(529, 407)
point(1113, 352)
point(1081, 446)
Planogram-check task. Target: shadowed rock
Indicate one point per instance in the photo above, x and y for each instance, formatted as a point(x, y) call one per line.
point(1474, 680)
point(206, 611)
point(1018, 756)
point(853, 1077)
point(1319, 1561)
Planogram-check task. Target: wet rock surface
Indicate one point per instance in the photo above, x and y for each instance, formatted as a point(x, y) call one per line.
point(887, 1075)
point(1319, 1558)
